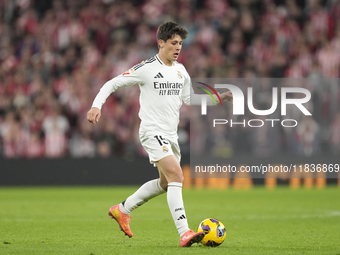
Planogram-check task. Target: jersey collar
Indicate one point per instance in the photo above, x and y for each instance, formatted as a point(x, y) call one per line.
point(161, 62)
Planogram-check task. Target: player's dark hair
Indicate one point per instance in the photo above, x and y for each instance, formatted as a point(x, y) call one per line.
point(168, 29)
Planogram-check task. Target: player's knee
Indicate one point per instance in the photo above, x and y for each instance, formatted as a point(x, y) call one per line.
point(177, 177)
point(180, 178)
point(172, 171)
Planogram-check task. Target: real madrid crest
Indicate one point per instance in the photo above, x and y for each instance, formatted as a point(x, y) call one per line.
point(180, 75)
point(165, 149)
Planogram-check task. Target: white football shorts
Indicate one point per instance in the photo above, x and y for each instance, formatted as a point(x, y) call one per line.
point(158, 146)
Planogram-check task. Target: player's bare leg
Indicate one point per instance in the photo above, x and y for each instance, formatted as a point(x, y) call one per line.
point(163, 181)
point(170, 169)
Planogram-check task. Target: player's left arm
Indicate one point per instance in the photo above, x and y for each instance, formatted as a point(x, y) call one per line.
point(190, 98)
point(226, 96)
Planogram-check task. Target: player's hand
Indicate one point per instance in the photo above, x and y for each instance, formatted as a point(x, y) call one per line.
point(93, 115)
point(227, 96)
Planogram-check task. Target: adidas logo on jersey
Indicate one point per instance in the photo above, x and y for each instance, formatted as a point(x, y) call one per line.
point(182, 217)
point(159, 75)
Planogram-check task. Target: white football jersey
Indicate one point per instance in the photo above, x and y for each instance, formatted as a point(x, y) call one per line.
point(162, 90)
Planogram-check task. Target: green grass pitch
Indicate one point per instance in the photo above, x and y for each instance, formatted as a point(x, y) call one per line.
point(73, 220)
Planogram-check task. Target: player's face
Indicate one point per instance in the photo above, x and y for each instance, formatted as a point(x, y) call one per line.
point(171, 48)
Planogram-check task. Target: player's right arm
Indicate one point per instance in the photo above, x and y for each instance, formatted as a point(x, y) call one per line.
point(129, 78)
point(93, 115)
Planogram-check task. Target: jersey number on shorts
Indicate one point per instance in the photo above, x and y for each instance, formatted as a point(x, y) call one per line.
point(161, 140)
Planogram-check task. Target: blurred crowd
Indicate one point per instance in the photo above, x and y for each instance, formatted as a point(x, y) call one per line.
point(55, 55)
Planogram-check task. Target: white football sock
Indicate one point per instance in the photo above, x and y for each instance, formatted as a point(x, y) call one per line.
point(175, 202)
point(147, 191)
